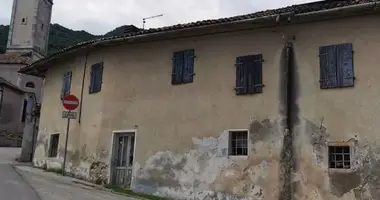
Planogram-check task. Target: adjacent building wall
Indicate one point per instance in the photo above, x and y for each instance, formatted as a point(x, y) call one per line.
point(11, 111)
point(182, 131)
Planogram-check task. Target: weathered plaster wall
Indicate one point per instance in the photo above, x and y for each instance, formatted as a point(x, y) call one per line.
point(11, 111)
point(181, 130)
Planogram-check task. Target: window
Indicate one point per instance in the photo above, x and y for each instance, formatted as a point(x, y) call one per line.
point(23, 21)
point(29, 85)
point(249, 74)
point(183, 67)
point(339, 157)
point(42, 26)
point(23, 117)
point(96, 78)
point(66, 84)
point(53, 148)
point(336, 66)
point(238, 143)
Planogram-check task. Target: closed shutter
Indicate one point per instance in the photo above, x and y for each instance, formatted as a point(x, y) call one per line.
point(177, 68)
point(96, 77)
point(255, 83)
point(345, 65)
point(328, 67)
point(241, 78)
point(66, 84)
point(188, 68)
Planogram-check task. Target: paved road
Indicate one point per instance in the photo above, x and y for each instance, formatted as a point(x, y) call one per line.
point(12, 185)
point(27, 183)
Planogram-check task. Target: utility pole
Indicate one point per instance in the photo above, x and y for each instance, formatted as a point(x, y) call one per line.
point(144, 19)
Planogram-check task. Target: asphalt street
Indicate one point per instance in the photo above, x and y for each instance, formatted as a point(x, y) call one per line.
point(27, 183)
point(12, 185)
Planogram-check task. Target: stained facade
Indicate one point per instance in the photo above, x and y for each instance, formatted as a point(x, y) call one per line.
point(280, 111)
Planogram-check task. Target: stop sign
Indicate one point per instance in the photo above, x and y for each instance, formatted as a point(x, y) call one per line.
point(70, 102)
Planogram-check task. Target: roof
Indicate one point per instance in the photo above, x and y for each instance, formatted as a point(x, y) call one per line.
point(14, 58)
point(10, 85)
point(294, 10)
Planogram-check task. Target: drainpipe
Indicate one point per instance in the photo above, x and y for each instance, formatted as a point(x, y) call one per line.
point(82, 90)
point(1, 99)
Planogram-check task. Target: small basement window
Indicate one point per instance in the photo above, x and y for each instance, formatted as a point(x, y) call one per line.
point(53, 148)
point(339, 157)
point(238, 143)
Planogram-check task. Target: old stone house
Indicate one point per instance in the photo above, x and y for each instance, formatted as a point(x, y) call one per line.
point(27, 42)
point(278, 104)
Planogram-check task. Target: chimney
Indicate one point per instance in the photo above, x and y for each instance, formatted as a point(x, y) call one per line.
point(131, 29)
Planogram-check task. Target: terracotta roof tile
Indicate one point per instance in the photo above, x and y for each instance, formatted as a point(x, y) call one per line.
point(295, 9)
point(14, 58)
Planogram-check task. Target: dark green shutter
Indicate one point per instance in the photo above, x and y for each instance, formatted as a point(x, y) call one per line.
point(345, 65)
point(328, 67)
point(188, 68)
point(241, 76)
point(177, 68)
point(254, 66)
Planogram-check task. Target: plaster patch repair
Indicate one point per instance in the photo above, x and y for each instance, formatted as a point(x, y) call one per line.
point(208, 172)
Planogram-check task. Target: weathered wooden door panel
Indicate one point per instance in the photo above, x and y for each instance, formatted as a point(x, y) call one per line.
point(123, 159)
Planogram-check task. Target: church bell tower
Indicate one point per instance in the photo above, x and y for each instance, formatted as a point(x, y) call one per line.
point(29, 27)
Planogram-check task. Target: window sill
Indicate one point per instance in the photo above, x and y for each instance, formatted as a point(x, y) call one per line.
point(238, 157)
point(337, 170)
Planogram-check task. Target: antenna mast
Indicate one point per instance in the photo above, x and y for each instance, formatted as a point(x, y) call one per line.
point(144, 19)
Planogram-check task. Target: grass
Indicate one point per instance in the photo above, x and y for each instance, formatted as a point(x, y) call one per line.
point(129, 192)
point(54, 170)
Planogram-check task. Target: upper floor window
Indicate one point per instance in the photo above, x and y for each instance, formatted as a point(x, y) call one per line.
point(66, 85)
point(96, 78)
point(336, 66)
point(183, 67)
point(23, 21)
point(29, 85)
point(249, 74)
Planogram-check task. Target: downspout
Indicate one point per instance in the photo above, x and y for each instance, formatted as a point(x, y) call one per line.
point(82, 90)
point(1, 99)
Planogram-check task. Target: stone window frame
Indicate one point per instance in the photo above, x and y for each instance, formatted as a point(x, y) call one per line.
point(248, 144)
point(352, 152)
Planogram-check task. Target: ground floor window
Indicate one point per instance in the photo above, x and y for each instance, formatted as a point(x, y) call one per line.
point(238, 143)
point(53, 148)
point(339, 157)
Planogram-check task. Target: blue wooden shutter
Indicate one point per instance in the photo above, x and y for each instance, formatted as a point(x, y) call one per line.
point(254, 65)
point(328, 67)
point(241, 76)
point(66, 84)
point(177, 68)
point(188, 68)
point(96, 77)
point(99, 77)
point(345, 65)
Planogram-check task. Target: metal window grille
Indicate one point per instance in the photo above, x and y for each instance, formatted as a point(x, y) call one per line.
point(339, 157)
point(54, 141)
point(238, 143)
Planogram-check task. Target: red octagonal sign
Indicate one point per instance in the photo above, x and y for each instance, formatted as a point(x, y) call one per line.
point(70, 102)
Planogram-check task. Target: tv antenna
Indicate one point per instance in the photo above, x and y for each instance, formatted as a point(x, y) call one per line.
point(144, 19)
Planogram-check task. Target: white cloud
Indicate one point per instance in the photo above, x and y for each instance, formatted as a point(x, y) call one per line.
point(99, 16)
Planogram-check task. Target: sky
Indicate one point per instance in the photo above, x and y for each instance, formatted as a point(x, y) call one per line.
point(100, 16)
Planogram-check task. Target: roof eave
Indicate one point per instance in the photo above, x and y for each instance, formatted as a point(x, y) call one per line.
point(265, 21)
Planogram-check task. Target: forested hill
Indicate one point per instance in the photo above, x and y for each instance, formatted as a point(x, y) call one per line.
point(61, 37)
